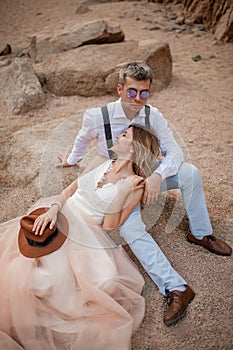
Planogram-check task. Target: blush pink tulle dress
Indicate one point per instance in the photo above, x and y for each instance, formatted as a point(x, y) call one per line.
point(85, 295)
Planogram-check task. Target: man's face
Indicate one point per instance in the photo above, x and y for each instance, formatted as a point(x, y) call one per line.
point(134, 93)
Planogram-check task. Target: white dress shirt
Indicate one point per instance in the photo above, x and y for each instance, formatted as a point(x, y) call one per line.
point(93, 129)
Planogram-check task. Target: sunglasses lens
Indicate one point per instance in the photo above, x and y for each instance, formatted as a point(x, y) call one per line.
point(131, 93)
point(144, 94)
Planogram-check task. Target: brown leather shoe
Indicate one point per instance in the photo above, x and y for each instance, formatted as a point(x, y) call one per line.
point(177, 304)
point(211, 243)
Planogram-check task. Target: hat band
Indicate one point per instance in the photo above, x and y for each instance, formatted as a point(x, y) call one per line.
point(42, 244)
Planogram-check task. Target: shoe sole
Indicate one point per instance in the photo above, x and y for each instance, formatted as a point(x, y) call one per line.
point(180, 315)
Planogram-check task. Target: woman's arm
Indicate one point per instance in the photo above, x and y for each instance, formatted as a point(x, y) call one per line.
point(51, 215)
point(129, 195)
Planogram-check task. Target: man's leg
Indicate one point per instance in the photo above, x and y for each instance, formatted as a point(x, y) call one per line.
point(188, 180)
point(169, 282)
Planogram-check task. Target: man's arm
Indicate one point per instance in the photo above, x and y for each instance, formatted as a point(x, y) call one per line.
point(172, 157)
point(171, 151)
point(86, 134)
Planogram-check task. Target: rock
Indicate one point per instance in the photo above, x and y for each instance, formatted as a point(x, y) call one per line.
point(19, 86)
point(224, 28)
point(147, 290)
point(196, 58)
point(216, 15)
point(74, 72)
point(83, 8)
point(92, 70)
point(30, 51)
point(155, 28)
point(27, 52)
point(41, 77)
point(180, 20)
point(35, 151)
point(177, 28)
point(6, 51)
point(172, 16)
point(95, 32)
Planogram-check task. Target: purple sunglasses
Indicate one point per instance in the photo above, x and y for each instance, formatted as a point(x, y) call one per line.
point(132, 93)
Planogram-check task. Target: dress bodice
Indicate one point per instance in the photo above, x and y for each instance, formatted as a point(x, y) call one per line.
point(92, 198)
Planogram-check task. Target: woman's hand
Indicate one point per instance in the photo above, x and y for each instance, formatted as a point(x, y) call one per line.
point(43, 220)
point(132, 183)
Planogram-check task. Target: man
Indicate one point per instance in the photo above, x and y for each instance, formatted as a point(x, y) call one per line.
point(135, 80)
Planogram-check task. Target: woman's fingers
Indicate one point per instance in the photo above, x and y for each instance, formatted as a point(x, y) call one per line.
point(40, 224)
point(53, 221)
point(45, 223)
point(136, 182)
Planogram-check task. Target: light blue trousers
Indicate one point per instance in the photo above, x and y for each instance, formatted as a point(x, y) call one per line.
point(188, 180)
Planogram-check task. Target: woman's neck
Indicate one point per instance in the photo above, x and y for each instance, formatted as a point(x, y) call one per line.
point(122, 165)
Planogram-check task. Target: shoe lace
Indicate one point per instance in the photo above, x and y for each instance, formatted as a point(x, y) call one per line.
point(210, 238)
point(170, 297)
point(173, 296)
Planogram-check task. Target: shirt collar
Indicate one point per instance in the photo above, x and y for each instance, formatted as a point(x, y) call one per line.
point(119, 112)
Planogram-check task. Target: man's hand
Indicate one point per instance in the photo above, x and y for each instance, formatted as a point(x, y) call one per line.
point(152, 188)
point(63, 163)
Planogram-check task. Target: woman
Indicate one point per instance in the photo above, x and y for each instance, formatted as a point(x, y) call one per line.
point(64, 283)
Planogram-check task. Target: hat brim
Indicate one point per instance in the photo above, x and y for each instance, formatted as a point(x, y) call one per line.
point(35, 252)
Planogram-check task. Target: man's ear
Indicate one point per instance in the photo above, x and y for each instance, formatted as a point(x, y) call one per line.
point(119, 89)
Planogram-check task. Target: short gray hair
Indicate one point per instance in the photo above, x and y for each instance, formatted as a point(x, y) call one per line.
point(136, 71)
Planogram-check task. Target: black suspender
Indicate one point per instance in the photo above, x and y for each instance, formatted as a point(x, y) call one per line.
point(107, 127)
point(147, 111)
point(108, 132)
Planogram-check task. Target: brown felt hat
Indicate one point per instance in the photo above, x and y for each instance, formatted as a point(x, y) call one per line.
point(35, 246)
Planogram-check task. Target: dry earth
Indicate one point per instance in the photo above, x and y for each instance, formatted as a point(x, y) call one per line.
point(198, 104)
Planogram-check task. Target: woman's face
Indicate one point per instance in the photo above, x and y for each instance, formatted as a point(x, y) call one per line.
point(123, 143)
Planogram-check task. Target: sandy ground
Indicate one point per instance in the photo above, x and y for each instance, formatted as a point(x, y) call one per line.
point(198, 104)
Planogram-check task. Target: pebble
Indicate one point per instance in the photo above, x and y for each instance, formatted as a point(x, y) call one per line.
point(196, 58)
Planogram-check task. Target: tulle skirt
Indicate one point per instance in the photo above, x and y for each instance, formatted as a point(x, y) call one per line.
point(85, 295)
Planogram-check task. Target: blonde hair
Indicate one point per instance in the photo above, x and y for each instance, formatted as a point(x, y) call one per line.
point(146, 150)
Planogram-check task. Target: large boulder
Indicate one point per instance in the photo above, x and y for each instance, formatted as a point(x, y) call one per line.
point(19, 86)
point(92, 70)
point(95, 32)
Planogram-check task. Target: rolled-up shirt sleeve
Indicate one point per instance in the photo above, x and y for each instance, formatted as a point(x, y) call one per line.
point(171, 151)
point(86, 134)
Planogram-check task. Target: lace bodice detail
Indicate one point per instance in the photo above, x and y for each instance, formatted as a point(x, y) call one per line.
point(92, 195)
